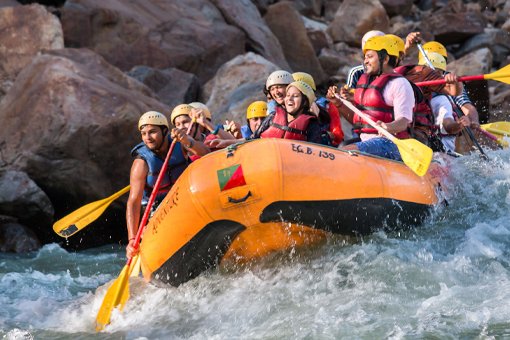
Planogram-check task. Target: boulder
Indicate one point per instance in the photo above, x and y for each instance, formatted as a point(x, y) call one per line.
point(497, 40)
point(17, 238)
point(236, 84)
point(9, 3)
point(477, 62)
point(318, 35)
point(69, 122)
point(339, 60)
point(287, 25)
point(330, 7)
point(24, 32)
point(172, 86)
point(244, 15)
point(308, 7)
point(356, 17)
point(451, 28)
point(397, 7)
point(189, 35)
point(22, 198)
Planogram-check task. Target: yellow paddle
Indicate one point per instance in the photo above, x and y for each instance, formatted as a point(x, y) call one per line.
point(500, 128)
point(80, 218)
point(502, 75)
point(118, 293)
point(417, 156)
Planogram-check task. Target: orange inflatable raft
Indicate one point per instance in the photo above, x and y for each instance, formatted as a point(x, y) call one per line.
point(268, 195)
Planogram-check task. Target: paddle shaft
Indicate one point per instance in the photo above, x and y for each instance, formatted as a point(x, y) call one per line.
point(367, 118)
point(442, 81)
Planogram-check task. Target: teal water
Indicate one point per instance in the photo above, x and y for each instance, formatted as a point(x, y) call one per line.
point(448, 279)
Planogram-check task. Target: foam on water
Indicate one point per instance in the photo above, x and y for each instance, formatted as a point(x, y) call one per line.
point(446, 279)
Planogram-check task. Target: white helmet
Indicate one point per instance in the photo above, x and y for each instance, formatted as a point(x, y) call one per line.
point(370, 34)
point(279, 77)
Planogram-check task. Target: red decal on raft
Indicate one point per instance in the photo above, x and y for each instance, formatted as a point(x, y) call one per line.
point(231, 177)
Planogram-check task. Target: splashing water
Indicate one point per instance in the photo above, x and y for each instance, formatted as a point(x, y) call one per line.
point(446, 279)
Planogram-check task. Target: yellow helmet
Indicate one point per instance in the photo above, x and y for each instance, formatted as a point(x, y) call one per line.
point(152, 118)
point(434, 46)
point(305, 89)
point(203, 107)
point(307, 78)
point(180, 110)
point(380, 43)
point(435, 58)
point(256, 109)
point(398, 41)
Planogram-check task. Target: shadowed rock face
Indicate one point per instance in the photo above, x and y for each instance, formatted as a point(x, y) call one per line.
point(189, 35)
point(24, 32)
point(289, 28)
point(69, 122)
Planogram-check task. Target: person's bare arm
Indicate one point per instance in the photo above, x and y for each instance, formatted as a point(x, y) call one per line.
point(137, 179)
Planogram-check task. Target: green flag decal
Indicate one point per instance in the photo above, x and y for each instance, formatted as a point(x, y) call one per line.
point(231, 177)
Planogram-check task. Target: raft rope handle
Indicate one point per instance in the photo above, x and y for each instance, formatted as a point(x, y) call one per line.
point(239, 200)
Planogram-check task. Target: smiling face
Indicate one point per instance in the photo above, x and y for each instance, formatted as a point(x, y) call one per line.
point(152, 136)
point(278, 93)
point(371, 63)
point(293, 100)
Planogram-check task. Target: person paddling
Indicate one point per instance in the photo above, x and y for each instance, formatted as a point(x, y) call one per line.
point(149, 157)
point(462, 100)
point(384, 95)
point(443, 110)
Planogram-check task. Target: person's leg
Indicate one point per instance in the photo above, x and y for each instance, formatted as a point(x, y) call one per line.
point(381, 147)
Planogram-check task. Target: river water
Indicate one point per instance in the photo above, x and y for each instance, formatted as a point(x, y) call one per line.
point(447, 279)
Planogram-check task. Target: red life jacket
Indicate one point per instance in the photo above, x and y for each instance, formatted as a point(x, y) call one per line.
point(335, 126)
point(281, 128)
point(423, 117)
point(368, 96)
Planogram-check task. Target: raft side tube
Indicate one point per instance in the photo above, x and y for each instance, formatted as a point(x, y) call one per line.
point(348, 217)
point(204, 251)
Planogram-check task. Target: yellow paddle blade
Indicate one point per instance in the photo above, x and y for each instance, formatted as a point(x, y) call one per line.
point(417, 156)
point(116, 295)
point(502, 75)
point(80, 218)
point(135, 267)
point(500, 128)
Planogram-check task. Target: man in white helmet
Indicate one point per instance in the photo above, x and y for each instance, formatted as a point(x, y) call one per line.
point(149, 158)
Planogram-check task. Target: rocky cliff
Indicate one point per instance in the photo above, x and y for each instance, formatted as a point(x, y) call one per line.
point(75, 76)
